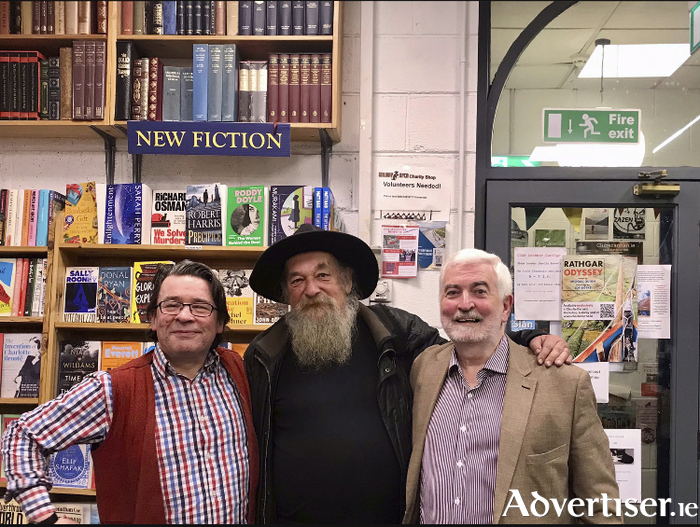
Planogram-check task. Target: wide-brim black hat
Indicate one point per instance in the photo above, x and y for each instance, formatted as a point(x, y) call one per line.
point(266, 278)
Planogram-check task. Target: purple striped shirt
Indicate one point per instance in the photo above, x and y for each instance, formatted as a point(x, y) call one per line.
point(458, 473)
point(200, 440)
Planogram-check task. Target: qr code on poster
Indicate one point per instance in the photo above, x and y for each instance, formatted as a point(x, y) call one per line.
point(607, 310)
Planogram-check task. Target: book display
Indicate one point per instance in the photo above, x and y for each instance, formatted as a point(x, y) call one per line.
point(120, 61)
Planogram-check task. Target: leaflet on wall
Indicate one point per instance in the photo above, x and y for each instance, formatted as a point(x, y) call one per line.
point(626, 451)
point(431, 244)
point(654, 292)
point(537, 279)
point(550, 238)
point(410, 189)
point(399, 251)
point(629, 223)
point(600, 379)
point(607, 247)
point(599, 307)
point(596, 224)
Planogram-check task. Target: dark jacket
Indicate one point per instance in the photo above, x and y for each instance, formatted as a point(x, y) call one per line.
point(399, 336)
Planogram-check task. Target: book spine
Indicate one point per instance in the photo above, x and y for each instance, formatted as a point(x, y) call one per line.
point(271, 18)
point(60, 15)
point(326, 95)
point(33, 217)
point(50, 18)
point(10, 217)
point(89, 80)
point(325, 17)
point(84, 17)
point(198, 12)
point(100, 72)
point(36, 17)
point(155, 101)
point(42, 225)
point(43, 16)
point(315, 89)
point(136, 88)
point(259, 22)
point(3, 215)
point(311, 17)
point(180, 17)
point(127, 17)
point(206, 17)
point(54, 93)
point(78, 80)
point(258, 91)
point(305, 88)
point(283, 90)
point(6, 85)
point(212, 17)
point(4, 18)
point(284, 17)
point(220, 18)
point(298, 19)
point(102, 17)
point(294, 88)
point(28, 293)
point(186, 97)
point(26, 207)
point(169, 17)
point(71, 17)
point(229, 85)
point(66, 82)
point(15, 95)
point(214, 87)
point(17, 293)
point(318, 206)
point(27, 12)
point(139, 26)
point(23, 85)
point(156, 18)
point(171, 93)
point(189, 17)
point(272, 87)
point(15, 17)
point(244, 91)
point(123, 87)
point(200, 72)
point(245, 17)
point(44, 87)
point(232, 18)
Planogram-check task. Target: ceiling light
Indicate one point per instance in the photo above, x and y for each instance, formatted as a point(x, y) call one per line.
point(636, 60)
point(592, 154)
point(676, 134)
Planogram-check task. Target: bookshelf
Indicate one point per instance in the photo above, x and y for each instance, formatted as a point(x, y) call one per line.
point(180, 47)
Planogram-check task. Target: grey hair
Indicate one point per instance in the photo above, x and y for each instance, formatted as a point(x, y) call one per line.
point(468, 256)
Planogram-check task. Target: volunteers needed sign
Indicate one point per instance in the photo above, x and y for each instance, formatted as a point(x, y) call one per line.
point(209, 138)
point(591, 126)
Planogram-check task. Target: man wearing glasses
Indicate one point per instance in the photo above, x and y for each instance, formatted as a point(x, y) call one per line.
point(171, 432)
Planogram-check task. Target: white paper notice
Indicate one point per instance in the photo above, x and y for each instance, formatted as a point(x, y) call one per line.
point(626, 451)
point(654, 301)
point(600, 379)
point(399, 251)
point(538, 282)
point(413, 192)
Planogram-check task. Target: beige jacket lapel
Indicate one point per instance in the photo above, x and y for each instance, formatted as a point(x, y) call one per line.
point(520, 391)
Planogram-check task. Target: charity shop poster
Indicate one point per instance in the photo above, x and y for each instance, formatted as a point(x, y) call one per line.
point(412, 192)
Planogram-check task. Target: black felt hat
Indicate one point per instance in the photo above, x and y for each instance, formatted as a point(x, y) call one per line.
point(266, 278)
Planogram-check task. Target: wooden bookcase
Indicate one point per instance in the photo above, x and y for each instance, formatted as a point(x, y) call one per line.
point(175, 47)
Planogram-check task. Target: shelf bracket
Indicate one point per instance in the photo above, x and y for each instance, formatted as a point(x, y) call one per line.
point(326, 151)
point(136, 168)
point(110, 153)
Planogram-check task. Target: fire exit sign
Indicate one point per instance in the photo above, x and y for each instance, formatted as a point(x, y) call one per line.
point(590, 126)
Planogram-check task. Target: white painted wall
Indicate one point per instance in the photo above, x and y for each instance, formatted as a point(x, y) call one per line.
point(416, 119)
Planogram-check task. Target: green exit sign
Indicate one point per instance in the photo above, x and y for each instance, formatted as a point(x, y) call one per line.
point(591, 126)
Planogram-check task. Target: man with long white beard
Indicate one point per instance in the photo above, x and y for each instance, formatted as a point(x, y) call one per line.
point(330, 384)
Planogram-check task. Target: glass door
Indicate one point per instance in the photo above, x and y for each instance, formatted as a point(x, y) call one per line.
point(653, 382)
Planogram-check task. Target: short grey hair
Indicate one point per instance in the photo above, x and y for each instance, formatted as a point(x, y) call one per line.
point(468, 256)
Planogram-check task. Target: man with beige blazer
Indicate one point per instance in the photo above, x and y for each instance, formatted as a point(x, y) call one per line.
point(494, 435)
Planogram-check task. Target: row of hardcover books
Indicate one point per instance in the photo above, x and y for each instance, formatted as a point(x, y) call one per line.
point(47, 17)
point(26, 216)
point(22, 286)
point(210, 17)
point(218, 86)
point(121, 295)
point(68, 86)
point(205, 214)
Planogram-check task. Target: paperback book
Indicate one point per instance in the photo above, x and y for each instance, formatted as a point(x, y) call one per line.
point(245, 216)
point(204, 207)
point(77, 360)
point(168, 217)
point(71, 467)
point(7, 284)
point(290, 207)
point(114, 294)
point(80, 294)
point(127, 213)
point(240, 297)
point(142, 287)
point(80, 223)
point(268, 311)
point(21, 365)
point(115, 354)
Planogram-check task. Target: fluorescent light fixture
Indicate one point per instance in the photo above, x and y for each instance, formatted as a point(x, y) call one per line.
point(635, 60)
point(679, 132)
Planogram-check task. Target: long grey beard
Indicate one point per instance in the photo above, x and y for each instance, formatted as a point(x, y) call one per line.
point(321, 331)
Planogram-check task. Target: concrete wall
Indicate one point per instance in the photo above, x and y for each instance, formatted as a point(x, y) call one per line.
point(416, 118)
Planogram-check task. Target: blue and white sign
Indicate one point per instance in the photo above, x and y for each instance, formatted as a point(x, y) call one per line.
point(209, 138)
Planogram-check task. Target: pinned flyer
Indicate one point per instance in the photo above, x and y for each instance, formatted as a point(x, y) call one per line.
point(654, 290)
point(399, 251)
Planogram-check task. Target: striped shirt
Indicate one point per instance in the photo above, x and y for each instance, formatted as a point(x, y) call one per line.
point(458, 474)
point(200, 441)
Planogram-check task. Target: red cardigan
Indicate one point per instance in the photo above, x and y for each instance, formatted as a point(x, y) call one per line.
point(126, 464)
